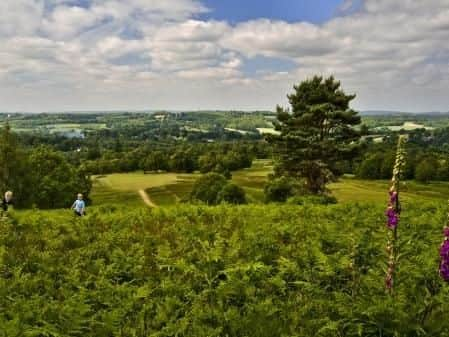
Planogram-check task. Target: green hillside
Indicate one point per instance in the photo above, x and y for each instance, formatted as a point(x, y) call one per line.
point(197, 271)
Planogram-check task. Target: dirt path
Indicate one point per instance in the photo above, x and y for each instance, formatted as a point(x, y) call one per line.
point(146, 199)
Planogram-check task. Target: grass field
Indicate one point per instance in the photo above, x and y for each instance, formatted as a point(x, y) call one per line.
point(123, 188)
point(166, 189)
point(347, 190)
point(136, 181)
point(58, 128)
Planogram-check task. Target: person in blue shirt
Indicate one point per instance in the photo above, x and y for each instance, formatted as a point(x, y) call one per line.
point(79, 206)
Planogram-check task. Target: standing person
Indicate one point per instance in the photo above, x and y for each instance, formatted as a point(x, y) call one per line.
point(7, 201)
point(79, 206)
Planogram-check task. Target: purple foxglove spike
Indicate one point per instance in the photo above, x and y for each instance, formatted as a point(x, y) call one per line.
point(393, 197)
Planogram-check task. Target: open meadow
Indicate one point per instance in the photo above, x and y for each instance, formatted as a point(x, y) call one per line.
point(165, 189)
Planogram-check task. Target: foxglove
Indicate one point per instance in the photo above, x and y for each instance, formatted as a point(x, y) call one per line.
point(393, 212)
point(444, 253)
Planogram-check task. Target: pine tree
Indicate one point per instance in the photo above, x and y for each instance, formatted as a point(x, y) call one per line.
point(316, 134)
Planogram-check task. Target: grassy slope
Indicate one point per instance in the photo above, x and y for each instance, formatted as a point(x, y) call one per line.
point(136, 181)
point(199, 271)
point(347, 190)
point(168, 188)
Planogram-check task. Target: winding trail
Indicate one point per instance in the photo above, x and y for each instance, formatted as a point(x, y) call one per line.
point(146, 199)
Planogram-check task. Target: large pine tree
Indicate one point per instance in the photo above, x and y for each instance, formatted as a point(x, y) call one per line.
point(316, 133)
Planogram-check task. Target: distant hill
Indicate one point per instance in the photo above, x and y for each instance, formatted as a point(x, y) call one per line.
point(396, 113)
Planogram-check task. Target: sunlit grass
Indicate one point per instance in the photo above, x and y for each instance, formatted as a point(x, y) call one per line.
point(169, 188)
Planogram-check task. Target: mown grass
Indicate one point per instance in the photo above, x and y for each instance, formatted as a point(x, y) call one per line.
point(348, 190)
point(169, 188)
point(105, 195)
point(136, 181)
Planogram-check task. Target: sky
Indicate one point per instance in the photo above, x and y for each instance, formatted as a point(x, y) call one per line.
point(74, 55)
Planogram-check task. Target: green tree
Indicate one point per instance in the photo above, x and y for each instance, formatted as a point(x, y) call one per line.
point(8, 157)
point(55, 181)
point(317, 133)
point(156, 161)
point(207, 188)
point(388, 161)
point(280, 189)
point(14, 173)
point(182, 161)
point(364, 130)
point(224, 171)
point(443, 171)
point(232, 194)
point(370, 167)
point(93, 151)
point(426, 170)
point(207, 162)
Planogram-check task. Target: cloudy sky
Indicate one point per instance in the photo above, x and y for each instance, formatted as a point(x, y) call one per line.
point(220, 54)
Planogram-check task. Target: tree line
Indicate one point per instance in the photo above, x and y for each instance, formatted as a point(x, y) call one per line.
point(39, 176)
point(423, 165)
point(218, 157)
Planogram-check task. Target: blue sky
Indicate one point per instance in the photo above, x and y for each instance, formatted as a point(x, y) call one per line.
point(235, 11)
point(238, 11)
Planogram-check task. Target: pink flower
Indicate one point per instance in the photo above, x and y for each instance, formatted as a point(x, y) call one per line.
point(393, 197)
point(393, 217)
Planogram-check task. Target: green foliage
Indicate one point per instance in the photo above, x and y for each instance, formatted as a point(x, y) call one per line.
point(280, 189)
point(182, 161)
point(155, 161)
point(232, 194)
point(371, 167)
point(426, 170)
point(41, 177)
point(14, 173)
point(322, 199)
point(55, 182)
point(208, 187)
point(317, 134)
point(196, 271)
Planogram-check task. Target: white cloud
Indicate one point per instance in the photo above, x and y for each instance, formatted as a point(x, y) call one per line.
point(278, 38)
point(20, 17)
point(118, 54)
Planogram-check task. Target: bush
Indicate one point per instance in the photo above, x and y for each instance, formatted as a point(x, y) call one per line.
point(220, 169)
point(232, 194)
point(207, 188)
point(280, 189)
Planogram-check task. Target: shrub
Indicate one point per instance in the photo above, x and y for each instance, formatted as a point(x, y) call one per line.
point(232, 194)
point(280, 189)
point(207, 188)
